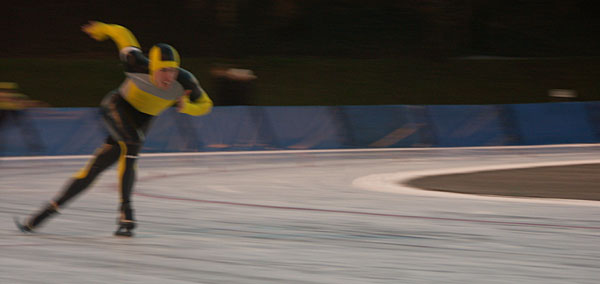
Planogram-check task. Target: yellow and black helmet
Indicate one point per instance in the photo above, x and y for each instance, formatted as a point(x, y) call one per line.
point(162, 56)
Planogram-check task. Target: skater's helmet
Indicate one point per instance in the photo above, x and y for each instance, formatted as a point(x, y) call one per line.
point(161, 56)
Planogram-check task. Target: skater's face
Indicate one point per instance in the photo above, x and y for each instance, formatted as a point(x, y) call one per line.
point(164, 77)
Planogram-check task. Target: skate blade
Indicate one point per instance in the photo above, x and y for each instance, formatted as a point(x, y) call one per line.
point(121, 233)
point(21, 227)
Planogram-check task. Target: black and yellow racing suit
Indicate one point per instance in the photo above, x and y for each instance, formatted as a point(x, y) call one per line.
point(129, 110)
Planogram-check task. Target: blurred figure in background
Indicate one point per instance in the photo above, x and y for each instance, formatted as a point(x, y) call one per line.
point(234, 86)
point(12, 113)
point(152, 85)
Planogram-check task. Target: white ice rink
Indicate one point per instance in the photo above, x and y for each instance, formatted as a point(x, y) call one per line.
point(299, 217)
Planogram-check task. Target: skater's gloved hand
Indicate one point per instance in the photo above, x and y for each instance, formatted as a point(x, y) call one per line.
point(95, 30)
point(182, 100)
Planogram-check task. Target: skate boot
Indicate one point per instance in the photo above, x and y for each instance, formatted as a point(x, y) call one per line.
point(35, 221)
point(23, 227)
point(126, 222)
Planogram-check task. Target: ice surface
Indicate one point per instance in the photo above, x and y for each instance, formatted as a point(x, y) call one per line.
point(294, 217)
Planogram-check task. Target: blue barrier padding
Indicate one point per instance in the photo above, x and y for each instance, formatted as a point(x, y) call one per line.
point(17, 140)
point(53, 131)
point(225, 128)
point(553, 123)
point(303, 127)
point(79, 131)
point(382, 126)
point(593, 115)
point(72, 131)
point(468, 125)
point(171, 132)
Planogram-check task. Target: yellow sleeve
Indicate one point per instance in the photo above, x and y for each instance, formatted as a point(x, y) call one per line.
point(119, 34)
point(203, 105)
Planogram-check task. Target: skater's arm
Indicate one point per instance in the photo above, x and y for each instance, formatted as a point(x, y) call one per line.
point(120, 35)
point(195, 101)
point(200, 106)
point(129, 48)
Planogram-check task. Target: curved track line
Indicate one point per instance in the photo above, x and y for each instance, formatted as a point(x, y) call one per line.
point(396, 183)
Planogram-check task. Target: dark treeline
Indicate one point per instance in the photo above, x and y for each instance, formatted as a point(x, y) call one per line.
point(348, 28)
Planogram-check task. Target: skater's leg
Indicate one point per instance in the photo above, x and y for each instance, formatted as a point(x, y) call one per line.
point(129, 128)
point(127, 175)
point(39, 217)
point(105, 157)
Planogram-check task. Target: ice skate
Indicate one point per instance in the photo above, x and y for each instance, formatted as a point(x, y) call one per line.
point(125, 228)
point(126, 222)
point(22, 226)
point(35, 221)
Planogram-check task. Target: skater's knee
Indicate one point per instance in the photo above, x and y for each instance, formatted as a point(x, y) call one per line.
point(133, 149)
point(104, 157)
point(55, 206)
point(129, 149)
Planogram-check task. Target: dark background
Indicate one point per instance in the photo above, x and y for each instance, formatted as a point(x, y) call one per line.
point(426, 48)
point(351, 28)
